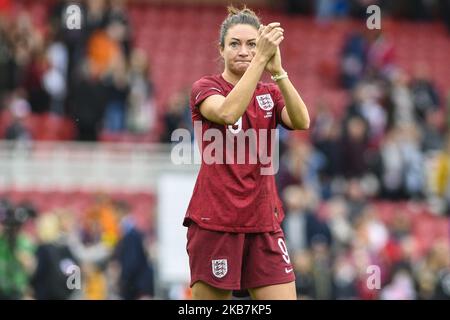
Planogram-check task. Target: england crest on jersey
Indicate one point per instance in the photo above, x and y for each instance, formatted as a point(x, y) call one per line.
point(265, 101)
point(219, 268)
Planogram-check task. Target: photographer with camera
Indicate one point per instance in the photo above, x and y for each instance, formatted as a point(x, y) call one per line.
point(17, 261)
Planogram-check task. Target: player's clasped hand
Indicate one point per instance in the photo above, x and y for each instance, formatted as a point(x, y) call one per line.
point(268, 40)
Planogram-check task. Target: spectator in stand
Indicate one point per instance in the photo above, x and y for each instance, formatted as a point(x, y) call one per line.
point(424, 94)
point(20, 110)
point(356, 197)
point(54, 260)
point(304, 280)
point(403, 105)
point(366, 104)
point(442, 287)
point(141, 106)
point(432, 273)
point(376, 232)
point(300, 164)
point(391, 175)
point(117, 92)
point(55, 77)
point(31, 63)
point(136, 272)
point(401, 287)
point(322, 269)
point(103, 50)
point(117, 15)
point(344, 277)
point(7, 61)
point(328, 9)
point(380, 54)
point(402, 163)
point(354, 148)
point(73, 40)
point(302, 226)
point(88, 99)
point(439, 185)
point(414, 162)
point(16, 251)
point(338, 221)
point(177, 115)
point(96, 14)
point(433, 132)
point(353, 59)
point(326, 137)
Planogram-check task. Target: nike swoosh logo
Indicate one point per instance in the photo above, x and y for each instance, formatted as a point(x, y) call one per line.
point(288, 270)
point(198, 95)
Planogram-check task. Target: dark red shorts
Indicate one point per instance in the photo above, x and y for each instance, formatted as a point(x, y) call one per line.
point(236, 261)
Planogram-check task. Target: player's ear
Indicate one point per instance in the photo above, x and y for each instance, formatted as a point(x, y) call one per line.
point(221, 50)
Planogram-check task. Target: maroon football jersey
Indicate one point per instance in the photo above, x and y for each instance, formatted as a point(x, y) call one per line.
point(231, 194)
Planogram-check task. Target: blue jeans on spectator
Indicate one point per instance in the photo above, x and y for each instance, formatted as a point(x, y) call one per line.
point(115, 116)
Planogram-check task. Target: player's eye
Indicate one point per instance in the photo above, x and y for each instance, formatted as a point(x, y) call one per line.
point(234, 44)
point(252, 45)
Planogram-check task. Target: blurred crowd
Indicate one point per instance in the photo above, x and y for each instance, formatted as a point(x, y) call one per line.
point(416, 10)
point(391, 144)
point(96, 77)
point(93, 75)
point(102, 254)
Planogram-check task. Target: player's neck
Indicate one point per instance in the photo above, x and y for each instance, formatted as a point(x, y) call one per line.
point(231, 77)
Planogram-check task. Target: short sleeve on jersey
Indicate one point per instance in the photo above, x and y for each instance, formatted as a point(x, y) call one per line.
point(202, 89)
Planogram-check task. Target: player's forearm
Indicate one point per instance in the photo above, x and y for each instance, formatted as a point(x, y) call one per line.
point(239, 98)
point(295, 107)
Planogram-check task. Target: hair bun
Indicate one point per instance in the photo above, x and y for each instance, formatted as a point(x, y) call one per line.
point(233, 11)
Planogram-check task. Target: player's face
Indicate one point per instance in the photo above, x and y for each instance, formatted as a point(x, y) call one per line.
point(239, 48)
